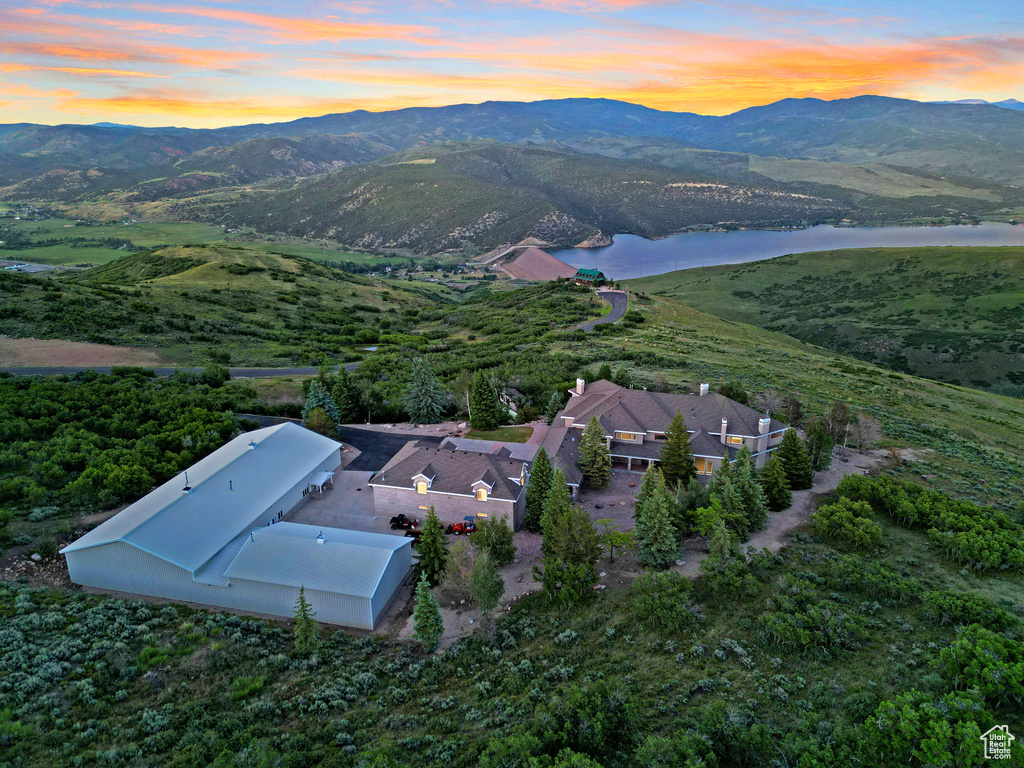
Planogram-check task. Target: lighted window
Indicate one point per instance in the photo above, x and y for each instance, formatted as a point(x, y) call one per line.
point(481, 494)
point(704, 467)
point(421, 487)
point(735, 440)
point(624, 436)
point(424, 506)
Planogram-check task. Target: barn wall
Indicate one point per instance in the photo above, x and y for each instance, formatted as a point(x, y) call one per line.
point(450, 508)
point(394, 574)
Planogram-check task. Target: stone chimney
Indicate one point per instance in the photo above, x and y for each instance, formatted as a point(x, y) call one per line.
point(725, 427)
point(581, 384)
point(703, 389)
point(763, 425)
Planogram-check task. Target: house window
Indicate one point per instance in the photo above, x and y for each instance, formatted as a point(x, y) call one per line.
point(776, 435)
point(481, 494)
point(627, 436)
point(661, 436)
point(424, 506)
point(704, 466)
point(421, 487)
point(735, 440)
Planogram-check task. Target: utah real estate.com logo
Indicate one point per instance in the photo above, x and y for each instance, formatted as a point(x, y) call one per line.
point(997, 742)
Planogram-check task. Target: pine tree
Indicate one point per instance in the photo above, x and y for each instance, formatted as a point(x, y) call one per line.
point(554, 406)
point(604, 372)
point(689, 499)
point(819, 446)
point(319, 397)
point(775, 484)
point(484, 405)
point(622, 377)
point(795, 461)
point(556, 503)
point(676, 457)
point(537, 490)
point(722, 472)
point(571, 547)
point(426, 616)
point(424, 399)
point(432, 550)
point(307, 631)
point(595, 459)
point(657, 542)
point(733, 513)
point(725, 570)
point(648, 485)
point(345, 394)
point(752, 498)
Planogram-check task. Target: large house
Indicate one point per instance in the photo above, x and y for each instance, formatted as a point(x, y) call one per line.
point(591, 277)
point(635, 423)
point(459, 478)
point(215, 535)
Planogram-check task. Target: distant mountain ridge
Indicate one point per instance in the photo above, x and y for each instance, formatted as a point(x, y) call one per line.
point(1005, 103)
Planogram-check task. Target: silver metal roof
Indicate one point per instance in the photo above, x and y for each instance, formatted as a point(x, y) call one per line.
point(230, 489)
point(344, 562)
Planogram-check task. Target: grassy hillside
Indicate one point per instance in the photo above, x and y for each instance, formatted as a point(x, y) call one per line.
point(953, 314)
point(248, 305)
point(486, 194)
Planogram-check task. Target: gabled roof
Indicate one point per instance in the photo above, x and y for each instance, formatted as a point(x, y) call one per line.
point(456, 471)
point(562, 445)
point(230, 489)
point(347, 562)
point(631, 410)
point(588, 273)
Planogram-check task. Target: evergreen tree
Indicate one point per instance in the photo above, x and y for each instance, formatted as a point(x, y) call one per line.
point(725, 570)
point(794, 411)
point(795, 461)
point(689, 499)
point(424, 399)
point(494, 537)
point(734, 391)
point(484, 406)
point(595, 459)
point(318, 421)
point(432, 550)
point(733, 512)
point(571, 547)
point(554, 406)
point(676, 457)
point(556, 503)
point(345, 394)
point(307, 631)
point(648, 485)
point(722, 472)
point(819, 446)
point(775, 484)
point(604, 372)
point(657, 542)
point(319, 397)
point(537, 490)
point(752, 498)
point(426, 616)
point(622, 377)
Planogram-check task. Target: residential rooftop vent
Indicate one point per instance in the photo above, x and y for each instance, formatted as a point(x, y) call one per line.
point(252, 445)
point(320, 539)
point(188, 488)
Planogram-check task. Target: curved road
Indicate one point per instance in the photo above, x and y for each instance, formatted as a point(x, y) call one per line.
point(618, 300)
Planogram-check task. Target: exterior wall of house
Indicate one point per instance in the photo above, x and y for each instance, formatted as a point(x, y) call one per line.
point(122, 567)
point(450, 508)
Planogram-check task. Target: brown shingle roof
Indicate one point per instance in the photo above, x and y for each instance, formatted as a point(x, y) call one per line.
point(562, 447)
point(454, 471)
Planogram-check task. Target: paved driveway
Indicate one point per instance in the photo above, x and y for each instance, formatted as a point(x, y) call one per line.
point(619, 303)
point(377, 448)
point(349, 504)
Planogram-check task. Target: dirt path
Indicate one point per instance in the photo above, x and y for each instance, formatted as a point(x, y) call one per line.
point(775, 535)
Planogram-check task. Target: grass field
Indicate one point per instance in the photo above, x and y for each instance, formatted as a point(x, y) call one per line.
point(503, 434)
point(953, 314)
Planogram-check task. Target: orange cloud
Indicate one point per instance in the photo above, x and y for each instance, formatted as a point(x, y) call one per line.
point(309, 30)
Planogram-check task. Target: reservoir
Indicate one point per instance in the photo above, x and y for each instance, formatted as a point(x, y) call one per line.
point(634, 256)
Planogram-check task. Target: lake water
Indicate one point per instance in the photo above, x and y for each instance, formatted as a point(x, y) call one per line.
point(634, 256)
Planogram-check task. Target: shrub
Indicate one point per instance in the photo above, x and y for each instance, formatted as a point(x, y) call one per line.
point(47, 549)
point(661, 602)
point(848, 522)
point(946, 607)
point(988, 661)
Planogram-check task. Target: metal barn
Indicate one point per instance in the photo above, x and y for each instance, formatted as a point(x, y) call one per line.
point(212, 536)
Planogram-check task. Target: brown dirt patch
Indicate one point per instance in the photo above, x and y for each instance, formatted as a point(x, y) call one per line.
point(56, 352)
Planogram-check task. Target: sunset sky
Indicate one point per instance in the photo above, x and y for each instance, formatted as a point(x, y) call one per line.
point(204, 63)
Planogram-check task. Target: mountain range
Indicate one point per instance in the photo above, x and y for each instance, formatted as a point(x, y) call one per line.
point(509, 169)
